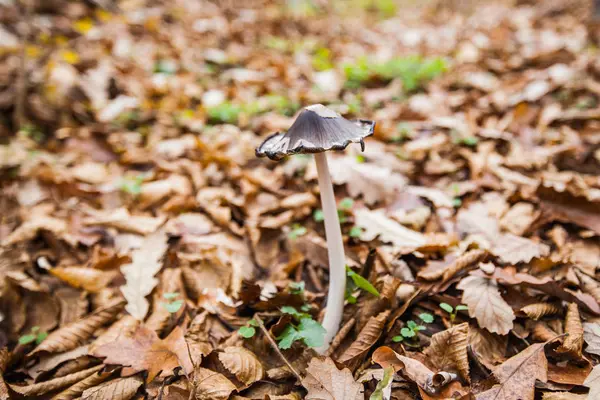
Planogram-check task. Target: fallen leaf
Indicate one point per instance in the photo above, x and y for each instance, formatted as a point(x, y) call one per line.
point(324, 381)
point(211, 385)
point(376, 224)
point(448, 350)
point(56, 383)
point(536, 311)
point(51, 361)
point(517, 376)
point(573, 343)
point(482, 297)
point(489, 347)
point(121, 219)
point(591, 334)
point(145, 351)
point(139, 275)
point(90, 279)
point(593, 382)
point(564, 396)
point(118, 389)
point(244, 364)
point(367, 337)
point(75, 391)
point(514, 249)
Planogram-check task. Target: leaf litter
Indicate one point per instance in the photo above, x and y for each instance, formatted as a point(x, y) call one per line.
point(146, 252)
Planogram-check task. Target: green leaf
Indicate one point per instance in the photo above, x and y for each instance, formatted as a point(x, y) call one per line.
point(288, 337)
point(41, 337)
point(294, 313)
point(426, 317)
point(311, 332)
point(170, 296)
point(346, 203)
point(246, 331)
point(253, 322)
point(355, 232)
point(411, 324)
point(296, 287)
point(462, 307)
point(397, 339)
point(388, 373)
point(360, 159)
point(456, 202)
point(350, 298)
point(407, 333)
point(447, 307)
point(297, 230)
point(361, 282)
point(173, 306)
point(318, 215)
point(26, 339)
point(419, 328)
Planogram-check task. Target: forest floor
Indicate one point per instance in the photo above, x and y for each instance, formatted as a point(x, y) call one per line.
point(147, 253)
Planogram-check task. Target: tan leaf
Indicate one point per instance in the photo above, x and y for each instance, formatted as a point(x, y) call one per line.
point(122, 220)
point(139, 275)
point(118, 389)
point(591, 334)
point(78, 332)
point(49, 362)
point(593, 382)
point(573, 343)
point(412, 369)
point(490, 347)
point(124, 326)
point(448, 350)
point(368, 336)
point(243, 364)
point(145, 351)
point(536, 311)
point(77, 389)
point(514, 249)
point(56, 383)
point(211, 385)
point(171, 282)
point(589, 285)
point(90, 279)
point(29, 229)
point(325, 382)
point(482, 297)
point(516, 376)
point(563, 396)
point(450, 266)
point(376, 224)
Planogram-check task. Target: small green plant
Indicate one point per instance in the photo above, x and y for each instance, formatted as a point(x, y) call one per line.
point(172, 303)
point(33, 132)
point(227, 113)
point(405, 131)
point(388, 375)
point(452, 310)
point(304, 329)
point(297, 287)
point(35, 335)
point(357, 282)
point(409, 332)
point(132, 184)
point(456, 202)
point(281, 104)
point(321, 60)
point(344, 207)
point(249, 330)
point(355, 232)
point(296, 231)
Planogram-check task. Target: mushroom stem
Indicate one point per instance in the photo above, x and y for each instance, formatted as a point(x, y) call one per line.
point(335, 251)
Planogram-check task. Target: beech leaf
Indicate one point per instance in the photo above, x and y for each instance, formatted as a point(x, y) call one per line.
point(376, 224)
point(118, 389)
point(325, 382)
point(367, 337)
point(211, 385)
point(243, 363)
point(448, 350)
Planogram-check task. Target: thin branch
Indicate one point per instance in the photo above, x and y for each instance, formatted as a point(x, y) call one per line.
point(275, 347)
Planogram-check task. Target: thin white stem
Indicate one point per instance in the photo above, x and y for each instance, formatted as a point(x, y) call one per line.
point(335, 251)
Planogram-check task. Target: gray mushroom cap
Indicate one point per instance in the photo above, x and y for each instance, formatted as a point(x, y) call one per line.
point(316, 129)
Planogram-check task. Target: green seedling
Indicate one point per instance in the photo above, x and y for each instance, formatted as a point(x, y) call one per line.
point(304, 329)
point(355, 282)
point(453, 311)
point(35, 335)
point(172, 303)
point(409, 332)
point(249, 330)
point(355, 232)
point(132, 184)
point(296, 231)
point(297, 287)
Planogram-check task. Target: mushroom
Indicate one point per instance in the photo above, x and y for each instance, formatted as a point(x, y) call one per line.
point(317, 130)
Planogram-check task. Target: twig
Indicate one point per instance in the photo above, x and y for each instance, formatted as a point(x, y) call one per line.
point(275, 347)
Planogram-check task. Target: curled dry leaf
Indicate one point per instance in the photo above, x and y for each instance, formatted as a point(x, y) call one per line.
point(56, 383)
point(77, 389)
point(211, 385)
point(78, 332)
point(449, 268)
point(145, 351)
point(573, 343)
point(124, 326)
point(516, 376)
point(376, 224)
point(118, 389)
point(448, 350)
point(324, 381)
point(49, 362)
point(591, 334)
point(90, 279)
point(368, 336)
point(139, 275)
point(536, 311)
point(243, 363)
point(482, 297)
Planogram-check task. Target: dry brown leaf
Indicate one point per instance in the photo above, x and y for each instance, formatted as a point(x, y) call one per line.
point(536, 311)
point(573, 343)
point(29, 229)
point(49, 362)
point(122, 220)
point(448, 350)
point(160, 317)
point(448, 268)
point(145, 351)
point(324, 381)
point(490, 347)
point(124, 326)
point(482, 297)
point(368, 336)
point(563, 396)
point(591, 334)
point(77, 389)
point(514, 249)
point(77, 333)
point(56, 383)
point(244, 364)
point(211, 385)
point(376, 224)
point(118, 389)
point(4, 360)
point(516, 376)
point(139, 275)
point(90, 279)
point(589, 285)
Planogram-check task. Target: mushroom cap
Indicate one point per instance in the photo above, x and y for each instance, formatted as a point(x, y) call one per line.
point(316, 129)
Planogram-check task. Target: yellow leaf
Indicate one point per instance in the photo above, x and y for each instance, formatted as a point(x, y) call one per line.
point(83, 25)
point(103, 15)
point(70, 56)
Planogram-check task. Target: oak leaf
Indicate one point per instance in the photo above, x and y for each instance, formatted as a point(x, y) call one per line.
point(516, 376)
point(448, 350)
point(325, 382)
point(139, 275)
point(376, 224)
point(145, 351)
point(243, 363)
point(482, 297)
point(591, 334)
point(211, 385)
point(118, 389)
